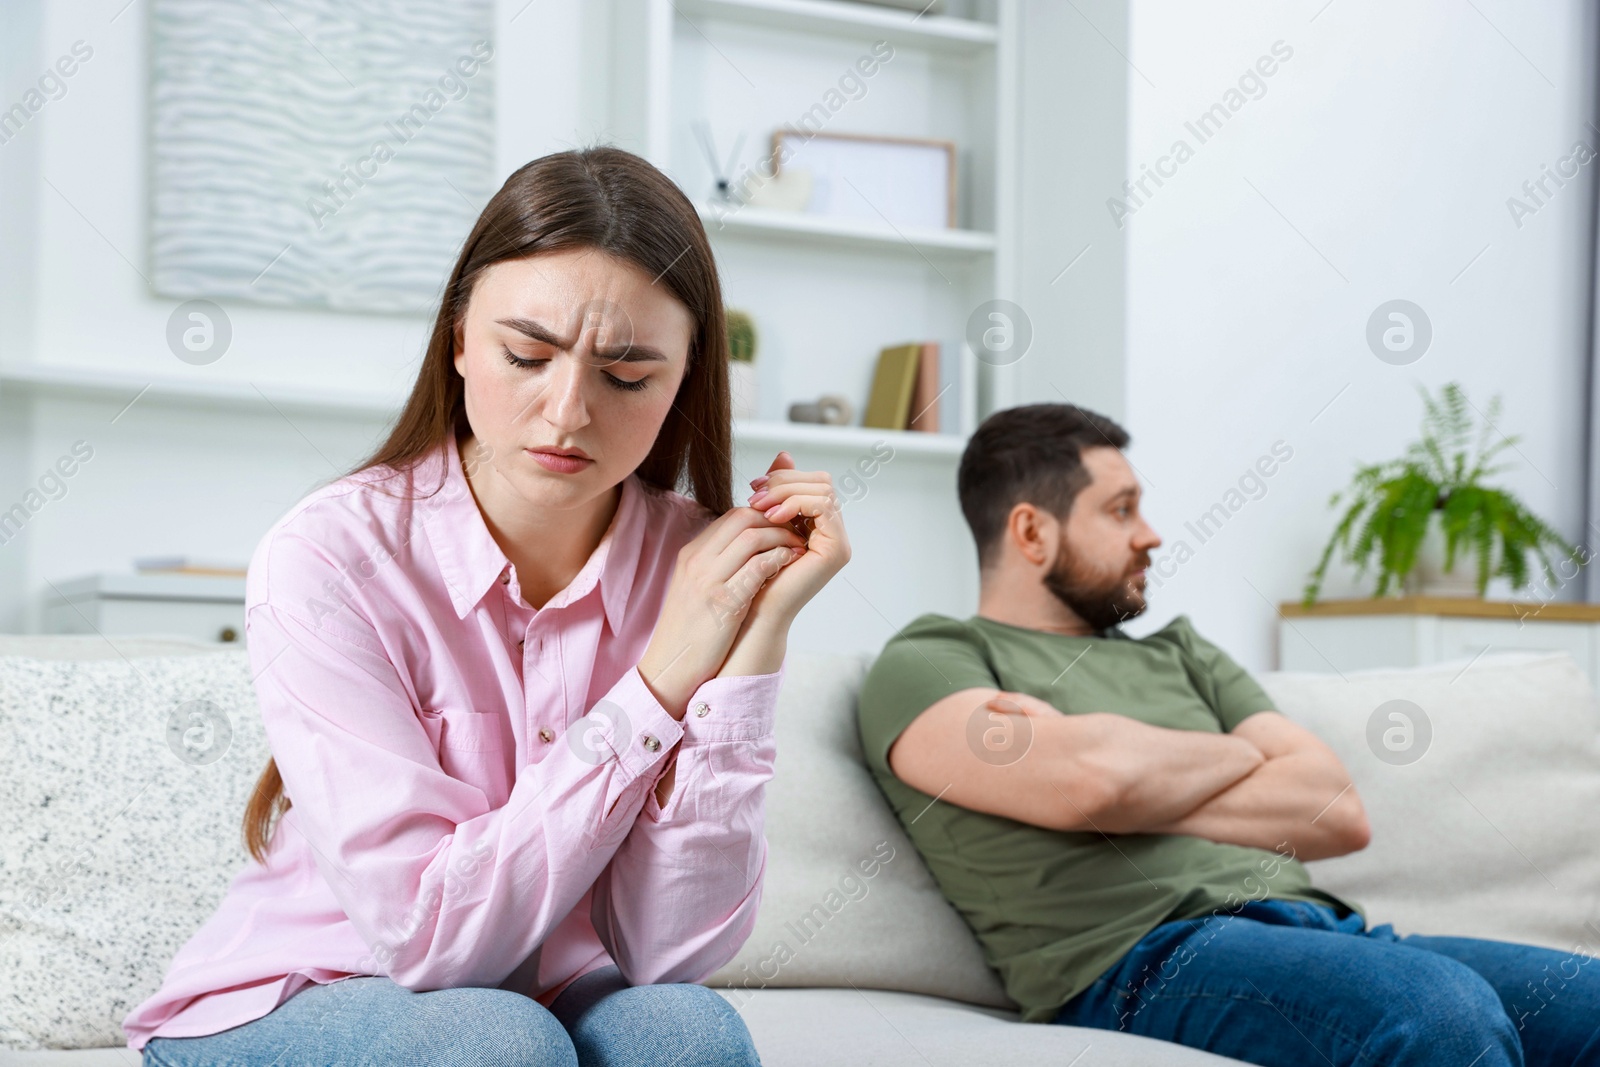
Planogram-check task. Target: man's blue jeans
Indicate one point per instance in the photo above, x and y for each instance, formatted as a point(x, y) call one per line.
point(1286, 983)
point(597, 1021)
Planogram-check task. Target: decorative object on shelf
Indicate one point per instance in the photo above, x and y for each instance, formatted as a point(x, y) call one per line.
point(830, 409)
point(1418, 513)
point(925, 393)
point(893, 382)
point(722, 191)
point(788, 190)
point(907, 181)
point(742, 364)
point(278, 181)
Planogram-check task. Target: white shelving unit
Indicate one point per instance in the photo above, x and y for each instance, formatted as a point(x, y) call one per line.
point(828, 293)
point(201, 460)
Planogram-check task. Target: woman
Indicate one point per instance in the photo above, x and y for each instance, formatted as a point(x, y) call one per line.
point(519, 690)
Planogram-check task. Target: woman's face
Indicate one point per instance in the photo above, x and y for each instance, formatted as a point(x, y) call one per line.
point(571, 351)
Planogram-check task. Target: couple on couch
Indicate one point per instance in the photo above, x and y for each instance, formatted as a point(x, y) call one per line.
point(519, 692)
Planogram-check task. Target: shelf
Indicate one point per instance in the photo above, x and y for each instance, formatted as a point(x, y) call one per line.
point(1455, 607)
point(934, 33)
point(84, 381)
point(847, 438)
point(820, 230)
point(113, 384)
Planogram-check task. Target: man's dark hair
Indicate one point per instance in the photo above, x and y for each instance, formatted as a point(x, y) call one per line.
point(1031, 454)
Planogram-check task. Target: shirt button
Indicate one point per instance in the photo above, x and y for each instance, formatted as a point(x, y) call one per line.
point(505, 579)
point(701, 709)
point(650, 743)
point(546, 734)
point(520, 644)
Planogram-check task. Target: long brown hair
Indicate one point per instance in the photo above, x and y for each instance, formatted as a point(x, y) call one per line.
point(613, 201)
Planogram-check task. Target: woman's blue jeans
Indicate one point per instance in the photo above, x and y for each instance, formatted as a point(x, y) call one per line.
point(1290, 983)
point(597, 1020)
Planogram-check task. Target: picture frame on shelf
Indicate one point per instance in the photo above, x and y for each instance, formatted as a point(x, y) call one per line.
point(908, 181)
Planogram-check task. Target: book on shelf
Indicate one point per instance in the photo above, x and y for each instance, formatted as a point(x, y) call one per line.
point(925, 394)
point(908, 385)
point(894, 380)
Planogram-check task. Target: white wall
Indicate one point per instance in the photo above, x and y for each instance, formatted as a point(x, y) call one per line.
point(93, 306)
point(1072, 274)
point(1376, 166)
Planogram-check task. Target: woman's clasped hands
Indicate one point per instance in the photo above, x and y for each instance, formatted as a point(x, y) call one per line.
point(737, 587)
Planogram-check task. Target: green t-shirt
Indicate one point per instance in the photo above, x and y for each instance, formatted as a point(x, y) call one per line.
point(1053, 909)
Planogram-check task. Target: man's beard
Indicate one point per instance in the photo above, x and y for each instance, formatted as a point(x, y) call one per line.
point(1097, 601)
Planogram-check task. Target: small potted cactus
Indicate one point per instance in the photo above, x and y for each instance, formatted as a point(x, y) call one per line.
point(742, 364)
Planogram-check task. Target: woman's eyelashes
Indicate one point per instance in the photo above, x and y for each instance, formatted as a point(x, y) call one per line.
point(620, 383)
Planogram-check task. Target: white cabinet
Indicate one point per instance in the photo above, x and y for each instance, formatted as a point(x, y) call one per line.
point(202, 607)
point(1349, 635)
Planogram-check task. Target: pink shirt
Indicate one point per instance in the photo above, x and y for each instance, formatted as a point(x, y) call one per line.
point(473, 779)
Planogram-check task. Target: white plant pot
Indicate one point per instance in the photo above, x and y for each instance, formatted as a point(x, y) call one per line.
point(1429, 578)
point(742, 386)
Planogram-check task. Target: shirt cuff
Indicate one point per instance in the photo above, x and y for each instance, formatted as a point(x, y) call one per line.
point(636, 726)
point(740, 708)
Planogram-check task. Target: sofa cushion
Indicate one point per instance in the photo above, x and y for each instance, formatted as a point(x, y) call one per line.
point(871, 1028)
point(1479, 798)
point(125, 783)
point(846, 898)
point(122, 1056)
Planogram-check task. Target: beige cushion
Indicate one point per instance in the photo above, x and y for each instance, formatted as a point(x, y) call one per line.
point(1491, 832)
point(822, 921)
point(121, 1056)
point(870, 1028)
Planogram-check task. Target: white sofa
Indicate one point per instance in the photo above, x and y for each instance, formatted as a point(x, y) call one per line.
point(115, 849)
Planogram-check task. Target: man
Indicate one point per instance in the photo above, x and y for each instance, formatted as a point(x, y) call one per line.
point(1122, 821)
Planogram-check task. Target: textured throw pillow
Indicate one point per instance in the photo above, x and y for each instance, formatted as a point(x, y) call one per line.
point(124, 786)
point(1480, 779)
point(846, 900)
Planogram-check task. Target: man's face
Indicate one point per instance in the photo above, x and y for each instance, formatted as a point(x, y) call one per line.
point(1105, 545)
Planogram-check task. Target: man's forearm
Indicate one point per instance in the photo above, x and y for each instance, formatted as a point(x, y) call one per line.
point(1295, 799)
point(1165, 774)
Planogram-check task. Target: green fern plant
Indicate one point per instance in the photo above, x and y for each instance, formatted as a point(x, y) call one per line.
point(1389, 505)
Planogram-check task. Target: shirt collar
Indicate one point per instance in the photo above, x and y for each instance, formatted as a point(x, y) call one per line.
point(471, 561)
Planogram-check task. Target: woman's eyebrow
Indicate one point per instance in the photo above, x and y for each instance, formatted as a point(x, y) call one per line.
point(628, 354)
